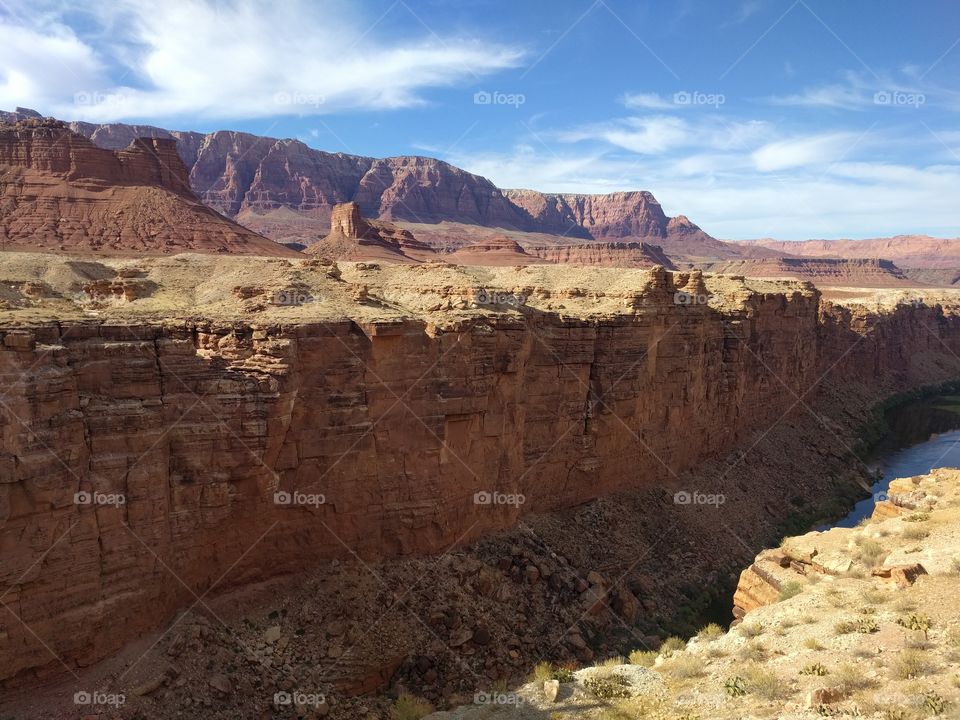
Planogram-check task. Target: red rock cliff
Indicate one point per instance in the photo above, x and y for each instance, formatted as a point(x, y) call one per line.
point(59, 191)
point(199, 425)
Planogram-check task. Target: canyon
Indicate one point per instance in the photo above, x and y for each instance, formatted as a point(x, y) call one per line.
point(276, 422)
point(236, 422)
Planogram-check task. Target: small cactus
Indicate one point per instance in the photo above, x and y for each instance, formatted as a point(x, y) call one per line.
point(735, 687)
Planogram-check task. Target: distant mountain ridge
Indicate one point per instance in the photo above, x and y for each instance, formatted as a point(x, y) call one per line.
point(259, 180)
point(907, 251)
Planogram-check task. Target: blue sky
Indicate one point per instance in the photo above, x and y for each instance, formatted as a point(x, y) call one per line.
point(755, 118)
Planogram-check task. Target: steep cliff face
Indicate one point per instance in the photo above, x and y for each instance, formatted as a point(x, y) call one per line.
point(245, 175)
point(824, 271)
point(624, 214)
point(253, 448)
point(907, 251)
point(604, 254)
point(59, 191)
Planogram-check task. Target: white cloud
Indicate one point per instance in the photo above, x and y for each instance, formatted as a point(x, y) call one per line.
point(659, 134)
point(40, 67)
point(804, 150)
point(649, 101)
point(827, 96)
point(244, 59)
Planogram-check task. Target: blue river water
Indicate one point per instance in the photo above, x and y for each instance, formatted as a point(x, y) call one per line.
point(941, 450)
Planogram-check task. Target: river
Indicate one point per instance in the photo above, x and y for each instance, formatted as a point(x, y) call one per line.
point(905, 455)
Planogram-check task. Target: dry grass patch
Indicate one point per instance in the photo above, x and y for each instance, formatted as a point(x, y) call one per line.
point(672, 645)
point(711, 632)
point(753, 651)
point(764, 683)
point(644, 658)
point(851, 678)
point(910, 664)
point(870, 552)
point(914, 532)
point(684, 666)
point(752, 630)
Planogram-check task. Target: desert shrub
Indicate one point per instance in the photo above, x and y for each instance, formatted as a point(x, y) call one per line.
point(410, 707)
point(875, 596)
point(870, 553)
point(752, 630)
point(716, 650)
point(710, 632)
point(905, 604)
point(613, 661)
point(851, 677)
point(763, 683)
point(844, 627)
point(752, 651)
point(607, 688)
point(672, 645)
point(545, 671)
point(909, 664)
point(917, 517)
point(646, 658)
point(789, 590)
point(684, 666)
point(836, 598)
point(541, 671)
point(914, 532)
point(811, 643)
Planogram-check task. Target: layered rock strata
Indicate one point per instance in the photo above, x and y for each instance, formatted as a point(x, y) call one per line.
point(249, 447)
point(58, 191)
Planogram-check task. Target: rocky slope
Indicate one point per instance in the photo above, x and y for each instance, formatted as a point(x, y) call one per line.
point(267, 417)
point(59, 191)
point(852, 622)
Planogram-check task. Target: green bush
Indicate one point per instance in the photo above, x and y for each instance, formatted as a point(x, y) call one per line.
point(789, 590)
point(607, 688)
point(735, 687)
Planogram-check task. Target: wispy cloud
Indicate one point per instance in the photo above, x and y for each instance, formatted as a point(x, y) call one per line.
point(803, 151)
point(219, 60)
point(827, 96)
point(648, 101)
